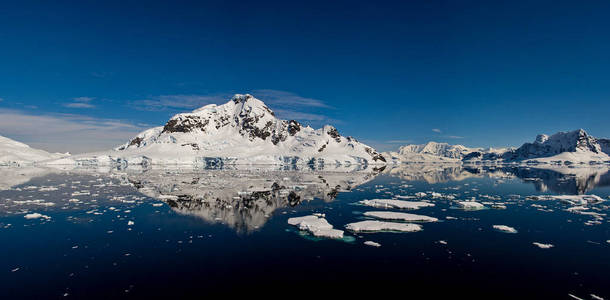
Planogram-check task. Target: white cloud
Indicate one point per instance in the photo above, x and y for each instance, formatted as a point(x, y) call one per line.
point(437, 130)
point(1, 99)
point(454, 137)
point(65, 132)
point(80, 102)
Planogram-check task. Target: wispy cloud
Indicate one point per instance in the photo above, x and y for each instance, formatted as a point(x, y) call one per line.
point(454, 137)
point(1, 99)
point(296, 115)
point(177, 102)
point(80, 102)
point(437, 130)
point(66, 132)
point(283, 98)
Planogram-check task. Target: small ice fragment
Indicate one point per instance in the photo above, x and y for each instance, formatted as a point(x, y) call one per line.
point(470, 205)
point(505, 228)
point(372, 244)
point(543, 246)
point(36, 216)
point(442, 242)
point(130, 223)
point(15, 270)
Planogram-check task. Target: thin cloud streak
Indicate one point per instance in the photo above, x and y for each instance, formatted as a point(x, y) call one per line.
point(80, 102)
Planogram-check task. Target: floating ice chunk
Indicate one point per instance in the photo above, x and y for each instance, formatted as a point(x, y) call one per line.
point(570, 199)
point(470, 205)
point(420, 194)
point(391, 203)
point(372, 244)
point(387, 215)
point(442, 242)
point(505, 228)
point(317, 226)
point(372, 226)
point(543, 246)
point(596, 297)
point(36, 216)
point(130, 223)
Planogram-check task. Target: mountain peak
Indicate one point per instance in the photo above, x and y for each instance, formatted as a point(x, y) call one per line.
point(245, 129)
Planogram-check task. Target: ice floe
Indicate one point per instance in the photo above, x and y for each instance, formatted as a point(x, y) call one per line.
point(36, 216)
point(373, 226)
point(543, 246)
point(388, 215)
point(317, 226)
point(400, 204)
point(470, 205)
point(505, 228)
point(372, 244)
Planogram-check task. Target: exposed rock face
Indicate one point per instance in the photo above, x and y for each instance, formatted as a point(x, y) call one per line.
point(604, 145)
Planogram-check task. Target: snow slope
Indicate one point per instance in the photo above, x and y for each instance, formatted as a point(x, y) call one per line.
point(242, 131)
point(13, 153)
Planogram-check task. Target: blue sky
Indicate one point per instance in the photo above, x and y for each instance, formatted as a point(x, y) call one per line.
point(80, 76)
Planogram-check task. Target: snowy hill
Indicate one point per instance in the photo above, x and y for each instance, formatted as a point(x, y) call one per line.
point(242, 131)
point(13, 153)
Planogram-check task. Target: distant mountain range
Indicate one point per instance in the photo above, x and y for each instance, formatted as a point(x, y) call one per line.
point(561, 148)
point(245, 131)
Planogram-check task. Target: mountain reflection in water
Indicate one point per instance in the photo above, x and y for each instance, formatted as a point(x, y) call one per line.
point(244, 198)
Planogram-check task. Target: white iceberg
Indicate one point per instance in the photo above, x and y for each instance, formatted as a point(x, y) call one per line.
point(317, 226)
point(388, 215)
point(470, 205)
point(373, 226)
point(372, 244)
point(392, 203)
point(505, 228)
point(543, 246)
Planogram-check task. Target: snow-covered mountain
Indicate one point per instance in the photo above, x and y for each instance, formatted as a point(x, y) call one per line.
point(13, 153)
point(242, 131)
point(563, 147)
point(429, 152)
point(574, 146)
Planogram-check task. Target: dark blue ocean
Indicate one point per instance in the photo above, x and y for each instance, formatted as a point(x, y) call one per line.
point(193, 233)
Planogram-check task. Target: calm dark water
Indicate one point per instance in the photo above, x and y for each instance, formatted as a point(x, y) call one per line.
point(195, 233)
